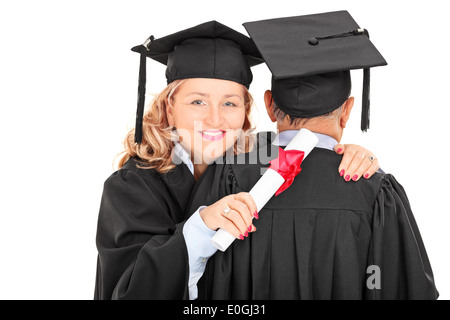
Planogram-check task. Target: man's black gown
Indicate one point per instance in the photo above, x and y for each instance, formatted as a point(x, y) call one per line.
point(318, 239)
point(141, 249)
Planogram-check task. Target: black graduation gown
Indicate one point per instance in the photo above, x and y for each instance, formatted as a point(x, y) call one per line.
point(319, 238)
point(141, 249)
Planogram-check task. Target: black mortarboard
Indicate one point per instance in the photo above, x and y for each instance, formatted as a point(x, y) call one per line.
point(310, 58)
point(209, 50)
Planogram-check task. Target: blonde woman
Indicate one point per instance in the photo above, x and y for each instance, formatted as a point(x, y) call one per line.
point(147, 249)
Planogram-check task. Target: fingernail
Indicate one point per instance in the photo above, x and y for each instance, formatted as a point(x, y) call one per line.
point(249, 228)
point(342, 172)
point(339, 150)
point(366, 176)
point(355, 177)
point(256, 215)
point(241, 237)
point(246, 234)
point(347, 177)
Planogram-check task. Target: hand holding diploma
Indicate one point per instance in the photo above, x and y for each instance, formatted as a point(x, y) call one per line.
point(276, 179)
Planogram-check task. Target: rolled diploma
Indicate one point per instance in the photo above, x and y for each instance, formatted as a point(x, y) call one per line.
point(268, 184)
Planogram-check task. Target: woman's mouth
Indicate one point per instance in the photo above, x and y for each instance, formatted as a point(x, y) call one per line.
point(213, 135)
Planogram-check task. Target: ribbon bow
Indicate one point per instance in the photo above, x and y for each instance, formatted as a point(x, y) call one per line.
point(288, 166)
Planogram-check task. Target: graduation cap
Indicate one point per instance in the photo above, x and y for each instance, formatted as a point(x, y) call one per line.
point(208, 50)
point(310, 58)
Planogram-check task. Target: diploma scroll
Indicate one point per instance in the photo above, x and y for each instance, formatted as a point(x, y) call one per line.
point(268, 184)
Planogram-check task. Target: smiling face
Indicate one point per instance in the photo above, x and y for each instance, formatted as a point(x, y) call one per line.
point(208, 115)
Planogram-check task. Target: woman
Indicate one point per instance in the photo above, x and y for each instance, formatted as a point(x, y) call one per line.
point(147, 250)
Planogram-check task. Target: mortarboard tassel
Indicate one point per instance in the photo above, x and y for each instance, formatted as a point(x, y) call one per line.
point(141, 90)
point(365, 111)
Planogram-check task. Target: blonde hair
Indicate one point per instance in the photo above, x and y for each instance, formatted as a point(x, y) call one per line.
point(155, 150)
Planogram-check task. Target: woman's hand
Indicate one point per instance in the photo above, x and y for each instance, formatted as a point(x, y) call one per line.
point(233, 213)
point(357, 162)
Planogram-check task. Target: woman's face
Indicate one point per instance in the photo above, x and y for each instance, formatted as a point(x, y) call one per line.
point(208, 115)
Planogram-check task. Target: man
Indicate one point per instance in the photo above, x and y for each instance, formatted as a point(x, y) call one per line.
point(322, 238)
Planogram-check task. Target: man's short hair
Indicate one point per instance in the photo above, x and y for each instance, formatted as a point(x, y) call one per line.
point(281, 116)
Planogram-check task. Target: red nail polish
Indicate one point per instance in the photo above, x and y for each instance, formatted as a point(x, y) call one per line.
point(256, 215)
point(249, 228)
point(355, 177)
point(342, 172)
point(339, 150)
point(366, 176)
point(347, 177)
point(241, 237)
point(246, 234)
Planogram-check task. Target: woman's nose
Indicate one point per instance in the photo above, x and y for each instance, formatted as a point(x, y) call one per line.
point(214, 118)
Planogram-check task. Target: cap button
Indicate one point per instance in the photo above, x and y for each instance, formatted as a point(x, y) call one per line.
point(313, 41)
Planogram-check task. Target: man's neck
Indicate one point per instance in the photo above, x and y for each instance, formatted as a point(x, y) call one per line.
point(334, 133)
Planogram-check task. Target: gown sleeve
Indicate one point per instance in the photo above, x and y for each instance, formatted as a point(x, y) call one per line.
point(142, 252)
point(397, 249)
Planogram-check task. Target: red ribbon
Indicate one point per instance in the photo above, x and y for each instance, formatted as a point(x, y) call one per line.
point(288, 166)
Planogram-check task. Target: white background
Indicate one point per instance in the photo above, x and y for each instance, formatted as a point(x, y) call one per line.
point(68, 84)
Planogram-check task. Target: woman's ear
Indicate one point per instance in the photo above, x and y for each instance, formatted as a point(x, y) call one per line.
point(346, 110)
point(268, 101)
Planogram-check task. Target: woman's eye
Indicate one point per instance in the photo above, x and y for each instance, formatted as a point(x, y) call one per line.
point(229, 104)
point(198, 103)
